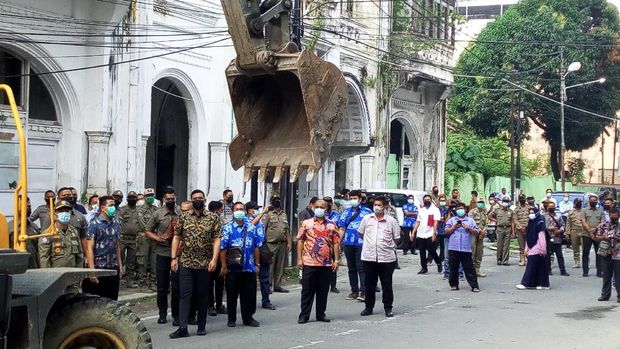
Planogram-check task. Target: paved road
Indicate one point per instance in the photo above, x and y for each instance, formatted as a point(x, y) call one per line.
point(429, 315)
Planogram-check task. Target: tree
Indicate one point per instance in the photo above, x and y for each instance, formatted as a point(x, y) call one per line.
point(524, 46)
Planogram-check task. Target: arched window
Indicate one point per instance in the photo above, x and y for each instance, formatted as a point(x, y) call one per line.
point(40, 103)
point(11, 69)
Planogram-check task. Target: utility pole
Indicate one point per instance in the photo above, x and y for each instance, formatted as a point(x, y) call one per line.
point(518, 177)
point(562, 99)
point(512, 141)
point(613, 169)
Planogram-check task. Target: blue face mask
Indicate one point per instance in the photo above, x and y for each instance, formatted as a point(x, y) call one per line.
point(239, 215)
point(64, 217)
point(355, 203)
point(319, 212)
point(460, 212)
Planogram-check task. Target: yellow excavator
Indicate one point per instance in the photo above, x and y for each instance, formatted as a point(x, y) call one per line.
point(39, 308)
point(288, 103)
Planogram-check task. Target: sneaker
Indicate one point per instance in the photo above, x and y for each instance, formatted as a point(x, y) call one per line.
point(362, 297)
point(480, 274)
point(577, 266)
point(366, 312)
point(521, 287)
point(212, 311)
point(542, 288)
point(352, 296)
point(423, 271)
point(201, 331)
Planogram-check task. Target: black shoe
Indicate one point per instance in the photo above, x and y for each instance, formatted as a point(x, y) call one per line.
point(201, 331)
point(405, 253)
point(422, 271)
point(439, 267)
point(550, 273)
point(302, 320)
point(221, 309)
point(269, 306)
point(366, 312)
point(585, 275)
point(414, 253)
point(599, 275)
point(334, 290)
point(162, 320)
point(389, 313)
point(192, 321)
point(252, 323)
point(179, 333)
point(603, 299)
point(231, 324)
point(212, 311)
point(323, 319)
point(397, 267)
point(280, 290)
point(175, 322)
point(565, 274)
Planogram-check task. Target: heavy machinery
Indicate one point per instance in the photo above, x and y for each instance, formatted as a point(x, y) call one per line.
point(41, 308)
point(288, 103)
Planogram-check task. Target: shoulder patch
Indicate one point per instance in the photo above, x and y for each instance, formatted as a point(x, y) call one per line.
point(44, 240)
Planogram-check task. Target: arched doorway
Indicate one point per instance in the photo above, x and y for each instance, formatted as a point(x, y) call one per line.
point(167, 150)
point(404, 161)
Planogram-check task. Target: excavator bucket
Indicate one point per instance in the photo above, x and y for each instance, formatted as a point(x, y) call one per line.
point(288, 119)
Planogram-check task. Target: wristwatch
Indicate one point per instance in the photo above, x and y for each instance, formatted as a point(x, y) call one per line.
point(173, 258)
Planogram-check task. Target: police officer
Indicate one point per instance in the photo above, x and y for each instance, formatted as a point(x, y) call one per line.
point(42, 213)
point(574, 228)
point(118, 198)
point(160, 229)
point(145, 256)
point(128, 216)
point(479, 215)
point(78, 221)
point(504, 219)
point(521, 219)
point(63, 249)
point(278, 239)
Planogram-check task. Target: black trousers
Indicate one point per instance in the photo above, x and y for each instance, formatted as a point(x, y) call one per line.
point(165, 278)
point(107, 286)
point(586, 245)
point(241, 285)
point(383, 272)
point(356, 268)
point(216, 287)
point(408, 244)
point(193, 285)
point(427, 245)
point(610, 268)
point(314, 284)
point(557, 250)
point(440, 243)
point(455, 258)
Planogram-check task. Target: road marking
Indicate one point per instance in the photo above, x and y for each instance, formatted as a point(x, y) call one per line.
point(346, 333)
point(307, 345)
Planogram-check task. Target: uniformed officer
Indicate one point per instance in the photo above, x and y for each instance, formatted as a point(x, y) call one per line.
point(31, 245)
point(575, 230)
point(118, 198)
point(42, 213)
point(63, 249)
point(278, 239)
point(479, 215)
point(130, 225)
point(504, 219)
point(145, 256)
point(521, 219)
point(78, 221)
point(160, 229)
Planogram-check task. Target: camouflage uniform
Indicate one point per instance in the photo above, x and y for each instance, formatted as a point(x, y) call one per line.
point(130, 226)
point(522, 214)
point(61, 250)
point(477, 246)
point(504, 218)
point(145, 256)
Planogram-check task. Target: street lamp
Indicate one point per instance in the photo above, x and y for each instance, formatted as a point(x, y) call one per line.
point(573, 67)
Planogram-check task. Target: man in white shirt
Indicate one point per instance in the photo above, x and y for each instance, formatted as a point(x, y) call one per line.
point(426, 231)
point(381, 234)
point(565, 206)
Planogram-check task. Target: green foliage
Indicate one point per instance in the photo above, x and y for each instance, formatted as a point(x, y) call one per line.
point(369, 81)
point(538, 166)
point(388, 83)
point(528, 39)
point(575, 167)
point(318, 11)
point(467, 152)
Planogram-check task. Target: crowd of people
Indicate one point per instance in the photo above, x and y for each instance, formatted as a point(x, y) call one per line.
point(191, 253)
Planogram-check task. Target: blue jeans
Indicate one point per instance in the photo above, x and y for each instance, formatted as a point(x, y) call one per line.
point(446, 266)
point(263, 279)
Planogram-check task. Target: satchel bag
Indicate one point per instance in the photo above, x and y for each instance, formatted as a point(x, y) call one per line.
point(234, 254)
point(560, 234)
point(266, 255)
point(604, 248)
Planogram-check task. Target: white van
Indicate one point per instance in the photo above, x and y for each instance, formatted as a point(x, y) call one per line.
point(398, 198)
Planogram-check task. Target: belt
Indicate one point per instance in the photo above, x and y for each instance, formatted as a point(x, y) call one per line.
point(504, 226)
point(128, 237)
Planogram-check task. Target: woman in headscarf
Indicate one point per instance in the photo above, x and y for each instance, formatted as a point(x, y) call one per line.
point(536, 273)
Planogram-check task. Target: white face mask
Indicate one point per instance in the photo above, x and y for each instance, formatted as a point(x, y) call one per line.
point(548, 195)
point(532, 216)
point(410, 201)
point(565, 199)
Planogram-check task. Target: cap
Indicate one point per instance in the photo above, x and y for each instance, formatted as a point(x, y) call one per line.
point(275, 197)
point(251, 206)
point(117, 193)
point(149, 191)
point(62, 204)
point(480, 199)
point(132, 194)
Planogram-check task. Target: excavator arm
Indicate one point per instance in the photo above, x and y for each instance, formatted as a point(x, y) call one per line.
point(288, 104)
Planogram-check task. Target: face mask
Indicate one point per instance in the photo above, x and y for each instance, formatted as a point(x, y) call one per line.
point(427, 204)
point(229, 199)
point(64, 217)
point(578, 205)
point(460, 212)
point(551, 210)
point(170, 204)
point(355, 203)
point(276, 203)
point(614, 220)
point(435, 192)
point(255, 214)
point(442, 203)
point(566, 199)
point(198, 204)
point(238, 215)
point(117, 202)
point(548, 195)
point(480, 205)
point(532, 216)
point(607, 207)
point(491, 202)
point(72, 200)
point(319, 212)
point(410, 201)
point(149, 200)
point(377, 209)
point(338, 202)
point(506, 204)
point(522, 201)
point(132, 202)
point(95, 208)
point(111, 211)
point(140, 203)
point(593, 204)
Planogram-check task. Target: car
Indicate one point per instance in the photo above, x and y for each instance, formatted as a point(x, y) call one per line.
point(572, 195)
point(398, 198)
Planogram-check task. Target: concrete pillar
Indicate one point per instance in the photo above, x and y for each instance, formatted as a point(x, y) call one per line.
point(141, 163)
point(366, 171)
point(98, 148)
point(217, 169)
